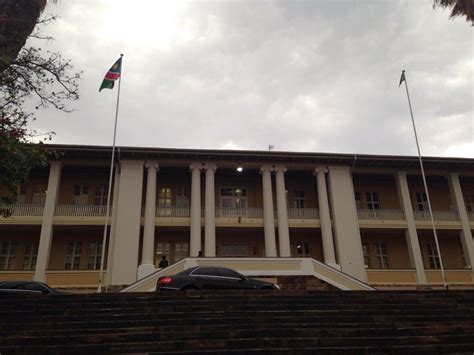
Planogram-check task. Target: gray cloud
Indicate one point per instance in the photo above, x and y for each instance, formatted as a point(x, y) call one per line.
point(301, 75)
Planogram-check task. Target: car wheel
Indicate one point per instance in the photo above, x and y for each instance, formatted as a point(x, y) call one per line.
point(189, 287)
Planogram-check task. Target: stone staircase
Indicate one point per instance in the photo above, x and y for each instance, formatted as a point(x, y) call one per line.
point(240, 322)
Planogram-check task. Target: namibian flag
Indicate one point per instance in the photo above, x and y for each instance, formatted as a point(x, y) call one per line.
point(112, 75)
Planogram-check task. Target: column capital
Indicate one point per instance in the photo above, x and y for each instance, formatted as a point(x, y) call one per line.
point(152, 164)
point(320, 169)
point(266, 167)
point(280, 168)
point(196, 165)
point(210, 166)
point(401, 173)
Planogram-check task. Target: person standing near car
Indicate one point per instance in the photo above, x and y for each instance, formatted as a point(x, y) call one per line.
point(163, 262)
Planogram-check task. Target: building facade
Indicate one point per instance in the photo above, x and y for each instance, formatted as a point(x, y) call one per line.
point(365, 215)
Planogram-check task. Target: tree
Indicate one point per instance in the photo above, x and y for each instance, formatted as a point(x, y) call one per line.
point(459, 8)
point(28, 74)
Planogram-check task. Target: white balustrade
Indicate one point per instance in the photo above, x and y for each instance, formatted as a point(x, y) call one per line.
point(25, 210)
point(393, 215)
point(303, 213)
point(172, 211)
point(80, 210)
point(437, 215)
point(231, 212)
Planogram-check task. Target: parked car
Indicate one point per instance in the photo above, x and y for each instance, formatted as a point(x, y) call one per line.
point(28, 287)
point(210, 278)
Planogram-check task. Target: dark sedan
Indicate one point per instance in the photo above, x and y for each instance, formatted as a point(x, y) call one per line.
point(28, 287)
point(210, 278)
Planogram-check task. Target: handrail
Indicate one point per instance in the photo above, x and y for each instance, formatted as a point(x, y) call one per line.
point(24, 210)
point(232, 212)
point(80, 210)
point(303, 213)
point(394, 215)
point(172, 211)
point(437, 215)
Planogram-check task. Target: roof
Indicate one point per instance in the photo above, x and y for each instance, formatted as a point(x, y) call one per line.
point(94, 152)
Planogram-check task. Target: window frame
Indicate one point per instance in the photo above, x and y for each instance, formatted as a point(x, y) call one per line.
point(30, 256)
point(10, 256)
point(434, 262)
point(96, 257)
point(75, 254)
point(382, 254)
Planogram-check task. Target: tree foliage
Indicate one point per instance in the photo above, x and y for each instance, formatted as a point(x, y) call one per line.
point(33, 80)
point(458, 8)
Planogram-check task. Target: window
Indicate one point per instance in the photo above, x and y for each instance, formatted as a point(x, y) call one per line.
point(181, 251)
point(421, 201)
point(358, 200)
point(73, 256)
point(382, 256)
point(30, 256)
point(101, 192)
point(299, 200)
point(165, 202)
point(39, 194)
point(21, 196)
point(433, 256)
point(372, 200)
point(235, 249)
point(230, 273)
point(206, 271)
point(165, 197)
point(303, 249)
point(81, 194)
point(233, 198)
point(365, 251)
point(470, 202)
point(182, 201)
point(7, 255)
point(95, 255)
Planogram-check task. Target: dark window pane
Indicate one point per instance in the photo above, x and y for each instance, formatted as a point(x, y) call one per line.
point(207, 271)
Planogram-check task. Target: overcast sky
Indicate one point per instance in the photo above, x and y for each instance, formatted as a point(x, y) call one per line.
point(319, 76)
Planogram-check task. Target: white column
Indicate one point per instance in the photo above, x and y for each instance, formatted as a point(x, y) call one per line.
point(268, 217)
point(210, 212)
point(47, 224)
point(465, 235)
point(111, 246)
point(411, 235)
point(127, 230)
point(195, 230)
point(324, 217)
point(282, 212)
point(147, 265)
point(346, 222)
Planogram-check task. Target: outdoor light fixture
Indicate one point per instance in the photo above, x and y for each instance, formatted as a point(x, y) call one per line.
point(239, 169)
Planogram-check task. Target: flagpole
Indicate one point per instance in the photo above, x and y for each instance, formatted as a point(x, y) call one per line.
point(445, 286)
point(104, 238)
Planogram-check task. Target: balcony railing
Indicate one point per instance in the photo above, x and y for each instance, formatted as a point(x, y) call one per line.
point(470, 216)
point(224, 212)
point(25, 210)
point(80, 210)
point(303, 213)
point(172, 211)
point(437, 215)
point(393, 215)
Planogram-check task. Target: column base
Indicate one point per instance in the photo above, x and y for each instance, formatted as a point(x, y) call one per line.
point(145, 269)
point(333, 265)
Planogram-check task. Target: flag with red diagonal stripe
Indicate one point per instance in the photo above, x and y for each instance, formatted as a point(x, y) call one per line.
point(112, 75)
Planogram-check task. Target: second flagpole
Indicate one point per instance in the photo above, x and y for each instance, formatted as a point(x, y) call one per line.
point(445, 286)
point(104, 238)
